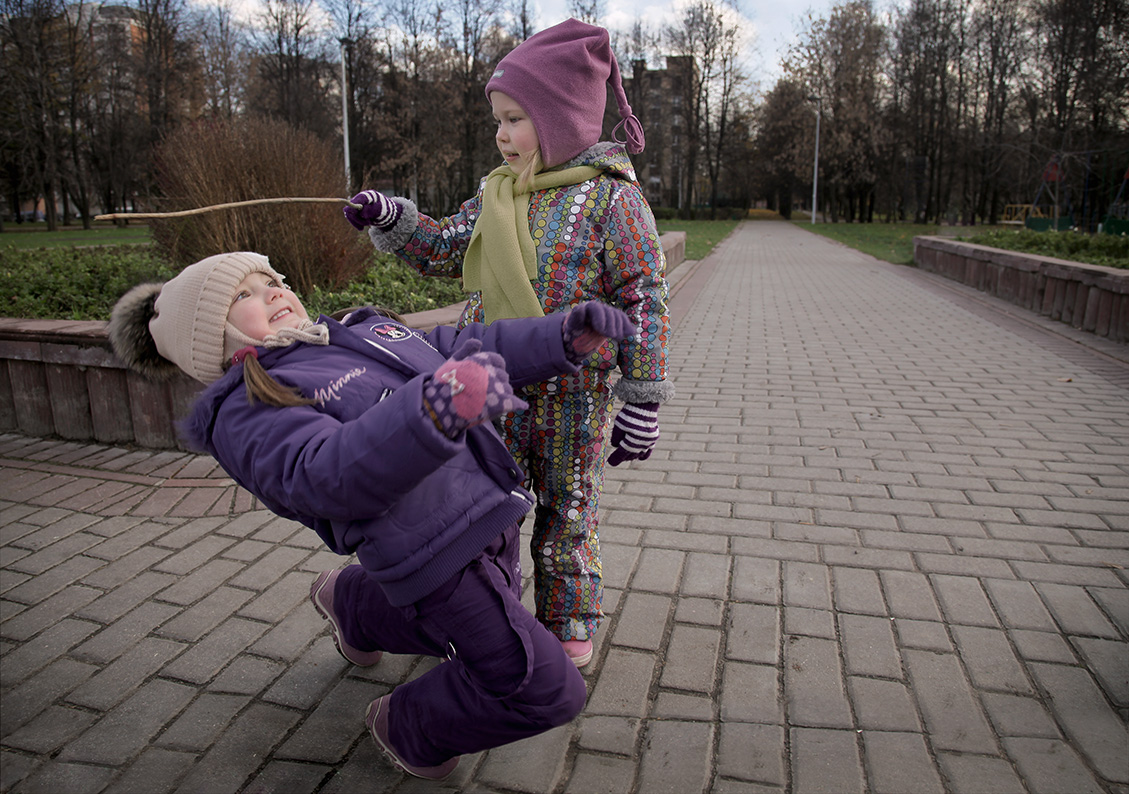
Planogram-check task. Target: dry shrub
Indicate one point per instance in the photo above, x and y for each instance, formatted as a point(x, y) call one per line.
point(218, 162)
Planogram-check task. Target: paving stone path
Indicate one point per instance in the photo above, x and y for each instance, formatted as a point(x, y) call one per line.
point(882, 547)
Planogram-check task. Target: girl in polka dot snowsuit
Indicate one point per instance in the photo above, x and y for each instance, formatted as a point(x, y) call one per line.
point(594, 240)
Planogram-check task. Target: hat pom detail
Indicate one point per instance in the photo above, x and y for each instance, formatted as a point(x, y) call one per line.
point(130, 336)
point(633, 132)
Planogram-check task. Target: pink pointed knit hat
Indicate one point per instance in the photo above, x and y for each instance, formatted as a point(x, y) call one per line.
point(558, 76)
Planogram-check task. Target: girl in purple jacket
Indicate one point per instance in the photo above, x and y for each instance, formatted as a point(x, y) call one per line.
point(379, 438)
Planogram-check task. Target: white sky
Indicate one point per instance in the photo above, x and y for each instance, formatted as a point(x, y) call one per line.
point(774, 23)
point(771, 24)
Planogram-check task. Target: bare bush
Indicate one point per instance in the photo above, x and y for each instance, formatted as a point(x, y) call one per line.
point(218, 162)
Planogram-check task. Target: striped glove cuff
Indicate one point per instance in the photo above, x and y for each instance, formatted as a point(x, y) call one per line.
point(376, 210)
point(635, 432)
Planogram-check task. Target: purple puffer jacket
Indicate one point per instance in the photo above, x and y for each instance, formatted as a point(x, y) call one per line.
point(365, 466)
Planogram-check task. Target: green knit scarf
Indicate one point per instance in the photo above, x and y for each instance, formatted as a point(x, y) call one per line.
point(503, 268)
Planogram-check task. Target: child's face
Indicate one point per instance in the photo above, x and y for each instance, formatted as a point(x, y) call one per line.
point(263, 306)
point(516, 138)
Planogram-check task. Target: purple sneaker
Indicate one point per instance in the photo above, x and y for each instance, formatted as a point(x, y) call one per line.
point(321, 594)
point(376, 718)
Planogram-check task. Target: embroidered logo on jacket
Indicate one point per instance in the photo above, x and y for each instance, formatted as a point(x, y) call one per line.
point(390, 331)
point(330, 392)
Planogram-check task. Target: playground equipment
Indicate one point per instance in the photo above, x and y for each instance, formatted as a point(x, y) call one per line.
point(1052, 181)
point(1054, 208)
point(1116, 220)
point(1017, 214)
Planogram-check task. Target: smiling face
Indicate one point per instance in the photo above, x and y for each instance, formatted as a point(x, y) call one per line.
point(263, 305)
point(516, 137)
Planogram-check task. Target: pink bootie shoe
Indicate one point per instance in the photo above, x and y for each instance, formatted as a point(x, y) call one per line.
point(376, 718)
point(321, 594)
point(580, 651)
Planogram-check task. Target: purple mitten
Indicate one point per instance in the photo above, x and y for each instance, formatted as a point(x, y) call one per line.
point(376, 210)
point(635, 432)
point(470, 388)
point(589, 324)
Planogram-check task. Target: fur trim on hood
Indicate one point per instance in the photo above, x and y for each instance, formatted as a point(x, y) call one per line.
point(130, 336)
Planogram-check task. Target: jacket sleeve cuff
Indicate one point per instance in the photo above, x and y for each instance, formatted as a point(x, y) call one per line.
point(397, 237)
point(643, 391)
point(543, 344)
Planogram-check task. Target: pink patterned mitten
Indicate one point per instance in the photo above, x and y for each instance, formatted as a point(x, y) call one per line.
point(470, 388)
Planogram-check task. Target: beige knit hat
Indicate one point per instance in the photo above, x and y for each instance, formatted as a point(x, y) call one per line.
point(186, 317)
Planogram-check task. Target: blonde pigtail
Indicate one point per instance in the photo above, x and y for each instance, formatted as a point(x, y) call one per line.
point(261, 386)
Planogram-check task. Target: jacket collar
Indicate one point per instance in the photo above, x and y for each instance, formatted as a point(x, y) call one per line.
point(196, 428)
point(365, 344)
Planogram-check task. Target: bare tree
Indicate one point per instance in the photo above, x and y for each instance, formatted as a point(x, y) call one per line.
point(838, 58)
point(163, 61)
point(639, 43)
point(709, 38)
point(693, 38)
point(351, 21)
point(292, 68)
point(475, 47)
point(998, 51)
point(415, 96)
point(925, 55)
point(633, 50)
point(723, 96)
point(351, 18)
point(80, 81)
point(952, 110)
point(590, 11)
point(738, 155)
point(784, 144)
point(1078, 81)
point(120, 131)
point(522, 13)
point(35, 99)
point(224, 53)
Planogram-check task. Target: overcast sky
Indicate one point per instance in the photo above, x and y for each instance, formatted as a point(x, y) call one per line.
point(771, 23)
point(774, 23)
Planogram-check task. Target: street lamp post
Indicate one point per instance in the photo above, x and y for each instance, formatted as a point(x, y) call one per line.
point(815, 171)
point(345, 42)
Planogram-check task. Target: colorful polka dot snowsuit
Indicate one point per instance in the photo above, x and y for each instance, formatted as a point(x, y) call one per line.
point(596, 240)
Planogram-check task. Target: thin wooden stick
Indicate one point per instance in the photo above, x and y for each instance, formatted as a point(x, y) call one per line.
point(180, 214)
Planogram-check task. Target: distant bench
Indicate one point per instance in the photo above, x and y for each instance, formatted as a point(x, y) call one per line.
point(60, 378)
point(1089, 297)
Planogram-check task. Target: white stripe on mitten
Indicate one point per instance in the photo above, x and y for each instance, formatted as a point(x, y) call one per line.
point(635, 432)
point(375, 209)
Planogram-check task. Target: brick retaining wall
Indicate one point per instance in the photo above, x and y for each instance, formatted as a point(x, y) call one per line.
point(1089, 297)
point(60, 378)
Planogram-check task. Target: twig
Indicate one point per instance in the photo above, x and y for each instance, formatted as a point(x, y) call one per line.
point(199, 210)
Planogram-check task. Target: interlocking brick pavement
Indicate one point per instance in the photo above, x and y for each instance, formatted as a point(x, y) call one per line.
point(882, 547)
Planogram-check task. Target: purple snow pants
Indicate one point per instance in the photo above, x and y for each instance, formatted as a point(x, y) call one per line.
point(506, 678)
